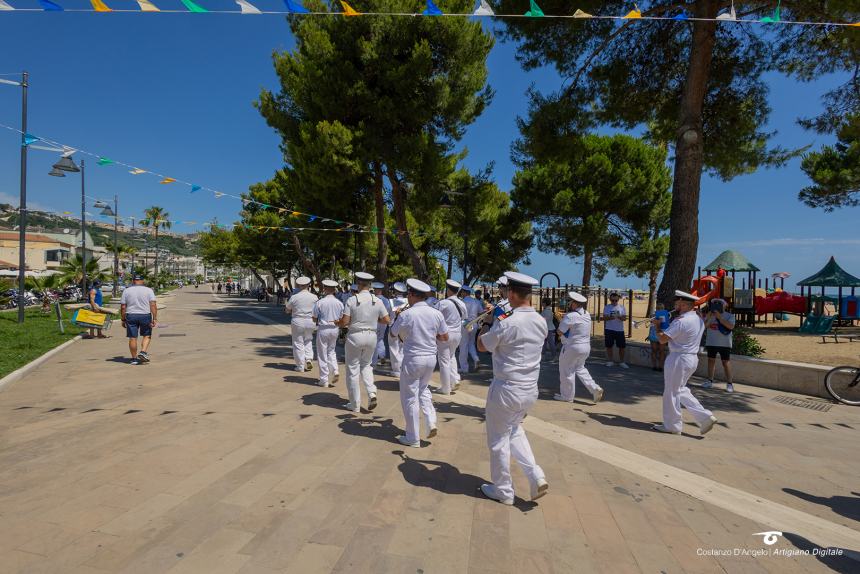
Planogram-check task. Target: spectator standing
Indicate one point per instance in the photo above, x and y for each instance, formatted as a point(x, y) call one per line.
point(658, 350)
point(96, 299)
point(139, 313)
point(613, 332)
point(719, 324)
point(549, 316)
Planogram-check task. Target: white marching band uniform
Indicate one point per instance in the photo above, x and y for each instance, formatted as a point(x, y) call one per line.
point(467, 340)
point(515, 341)
point(395, 345)
point(575, 331)
point(379, 351)
point(454, 311)
point(327, 311)
point(418, 328)
point(364, 310)
point(301, 306)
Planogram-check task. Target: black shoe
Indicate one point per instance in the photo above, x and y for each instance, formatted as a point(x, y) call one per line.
point(134, 362)
point(143, 357)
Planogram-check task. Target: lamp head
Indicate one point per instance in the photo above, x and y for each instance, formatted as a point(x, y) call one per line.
point(66, 163)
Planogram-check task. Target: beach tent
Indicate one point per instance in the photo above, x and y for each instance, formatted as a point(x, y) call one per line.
point(832, 275)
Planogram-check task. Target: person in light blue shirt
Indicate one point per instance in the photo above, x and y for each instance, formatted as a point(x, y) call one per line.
point(658, 350)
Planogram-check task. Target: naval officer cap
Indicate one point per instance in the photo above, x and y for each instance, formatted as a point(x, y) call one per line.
point(378, 285)
point(503, 281)
point(453, 284)
point(578, 297)
point(362, 276)
point(516, 279)
point(329, 283)
point(400, 287)
point(418, 286)
point(684, 296)
point(302, 281)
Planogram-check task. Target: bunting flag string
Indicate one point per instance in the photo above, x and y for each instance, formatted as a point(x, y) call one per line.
point(346, 226)
point(483, 9)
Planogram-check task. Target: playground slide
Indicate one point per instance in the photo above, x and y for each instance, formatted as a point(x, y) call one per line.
point(705, 289)
point(780, 302)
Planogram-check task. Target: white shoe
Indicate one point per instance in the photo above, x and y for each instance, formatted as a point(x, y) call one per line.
point(708, 384)
point(661, 428)
point(598, 395)
point(609, 363)
point(558, 397)
point(299, 369)
point(353, 408)
point(433, 432)
point(706, 426)
point(730, 388)
point(322, 384)
point(436, 391)
point(623, 365)
point(489, 491)
point(406, 442)
point(539, 489)
point(457, 386)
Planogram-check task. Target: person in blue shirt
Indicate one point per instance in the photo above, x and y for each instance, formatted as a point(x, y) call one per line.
point(95, 300)
point(658, 350)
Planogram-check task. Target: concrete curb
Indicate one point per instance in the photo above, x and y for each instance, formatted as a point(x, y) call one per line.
point(35, 363)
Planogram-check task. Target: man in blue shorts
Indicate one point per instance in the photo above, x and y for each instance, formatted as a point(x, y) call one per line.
point(139, 312)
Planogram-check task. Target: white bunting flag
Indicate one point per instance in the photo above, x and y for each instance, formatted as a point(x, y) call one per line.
point(484, 9)
point(5, 6)
point(247, 8)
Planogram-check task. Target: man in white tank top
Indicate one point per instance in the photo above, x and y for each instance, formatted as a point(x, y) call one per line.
point(327, 312)
point(301, 306)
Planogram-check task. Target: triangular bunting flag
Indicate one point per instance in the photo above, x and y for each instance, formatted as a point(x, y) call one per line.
point(312, 218)
point(534, 10)
point(580, 14)
point(28, 139)
point(633, 15)
point(431, 9)
point(681, 16)
point(167, 180)
point(192, 7)
point(137, 171)
point(5, 6)
point(147, 6)
point(296, 8)
point(100, 6)
point(349, 10)
point(247, 7)
point(105, 161)
point(195, 188)
point(484, 9)
point(49, 6)
point(730, 15)
point(774, 18)
point(855, 24)
point(218, 194)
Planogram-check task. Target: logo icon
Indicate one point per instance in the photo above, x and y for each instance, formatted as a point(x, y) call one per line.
point(770, 537)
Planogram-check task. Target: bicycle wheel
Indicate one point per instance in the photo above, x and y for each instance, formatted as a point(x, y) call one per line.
point(843, 384)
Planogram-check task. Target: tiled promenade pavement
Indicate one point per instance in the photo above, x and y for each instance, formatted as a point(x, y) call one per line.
point(217, 457)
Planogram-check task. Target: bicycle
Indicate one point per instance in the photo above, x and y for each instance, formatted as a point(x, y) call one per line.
point(843, 384)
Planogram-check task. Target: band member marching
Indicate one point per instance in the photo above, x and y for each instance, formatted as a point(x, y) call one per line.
point(515, 340)
point(301, 306)
point(362, 314)
point(575, 331)
point(454, 311)
point(379, 353)
point(684, 336)
point(326, 313)
point(419, 327)
point(395, 345)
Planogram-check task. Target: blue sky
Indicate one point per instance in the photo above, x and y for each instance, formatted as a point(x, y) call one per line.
point(173, 93)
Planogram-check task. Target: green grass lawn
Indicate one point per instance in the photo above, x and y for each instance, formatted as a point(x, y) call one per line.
point(20, 344)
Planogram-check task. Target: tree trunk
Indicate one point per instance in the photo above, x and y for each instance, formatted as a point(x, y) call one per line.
point(258, 276)
point(381, 236)
point(307, 264)
point(398, 194)
point(684, 219)
point(652, 287)
point(587, 258)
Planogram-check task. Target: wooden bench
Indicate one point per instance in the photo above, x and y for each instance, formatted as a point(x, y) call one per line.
point(837, 336)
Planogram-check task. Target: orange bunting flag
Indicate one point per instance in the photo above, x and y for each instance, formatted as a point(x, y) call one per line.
point(348, 10)
point(100, 6)
point(167, 180)
point(633, 14)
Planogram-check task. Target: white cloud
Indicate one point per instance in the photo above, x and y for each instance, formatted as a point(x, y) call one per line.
point(787, 242)
point(14, 201)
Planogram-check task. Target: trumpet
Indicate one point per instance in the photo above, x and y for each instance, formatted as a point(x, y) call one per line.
point(672, 315)
point(470, 326)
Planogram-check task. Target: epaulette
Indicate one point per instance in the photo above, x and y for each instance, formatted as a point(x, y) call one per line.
point(503, 316)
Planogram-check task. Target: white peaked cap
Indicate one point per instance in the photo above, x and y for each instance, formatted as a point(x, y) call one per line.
point(302, 281)
point(684, 295)
point(418, 285)
point(378, 285)
point(453, 284)
point(516, 279)
point(362, 276)
point(400, 287)
point(502, 280)
point(578, 297)
point(329, 283)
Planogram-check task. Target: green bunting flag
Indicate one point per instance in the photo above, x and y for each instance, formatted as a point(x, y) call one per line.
point(105, 161)
point(534, 10)
point(192, 7)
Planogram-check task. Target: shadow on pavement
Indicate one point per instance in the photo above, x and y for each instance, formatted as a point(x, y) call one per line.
point(281, 366)
point(376, 428)
point(300, 380)
point(119, 359)
point(323, 399)
point(847, 506)
point(453, 408)
point(446, 478)
point(848, 563)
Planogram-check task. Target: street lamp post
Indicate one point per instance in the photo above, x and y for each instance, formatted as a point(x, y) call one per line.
point(106, 210)
point(67, 165)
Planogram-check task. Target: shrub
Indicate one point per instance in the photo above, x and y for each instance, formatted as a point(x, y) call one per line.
point(745, 344)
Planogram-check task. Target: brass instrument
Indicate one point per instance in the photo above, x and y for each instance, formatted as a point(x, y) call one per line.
point(470, 326)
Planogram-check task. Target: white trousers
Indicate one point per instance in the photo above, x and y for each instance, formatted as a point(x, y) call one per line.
point(550, 342)
point(446, 352)
point(395, 351)
point(359, 351)
point(415, 376)
point(302, 333)
point(507, 404)
point(379, 350)
point(571, 364)
point(467, 349)
point(677, 370)
point(327, 353)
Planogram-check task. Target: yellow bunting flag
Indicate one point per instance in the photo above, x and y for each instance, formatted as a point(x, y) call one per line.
point(580, 14)
point(855, 24)
point(137, 171)
point(147, 6)
point(349, 10)
point(100, 6)
point(633, 14)
point(167, 180)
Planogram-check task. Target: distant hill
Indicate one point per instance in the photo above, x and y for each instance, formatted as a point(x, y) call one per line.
point(48, 222)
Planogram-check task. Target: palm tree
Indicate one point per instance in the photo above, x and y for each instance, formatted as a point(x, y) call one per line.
point(156, 217)
point(71, 271)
